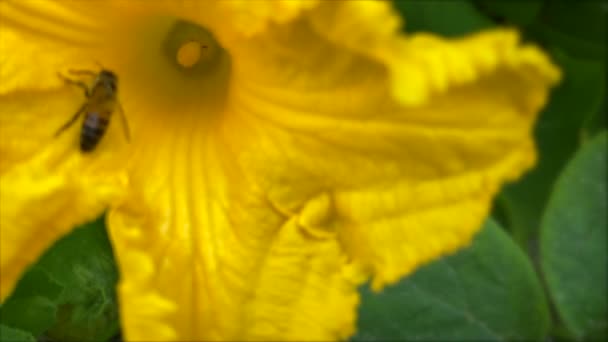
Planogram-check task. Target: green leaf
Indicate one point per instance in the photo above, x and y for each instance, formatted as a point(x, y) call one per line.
point(558, 134)
point(69, 294)
point(573, 243)
point(520, 13)
point(8, 334)
point(83, 262)
point(32, 306)
point(488, 291)
point(448, 18)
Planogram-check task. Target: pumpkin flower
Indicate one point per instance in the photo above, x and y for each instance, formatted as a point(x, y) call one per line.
point(281, 153)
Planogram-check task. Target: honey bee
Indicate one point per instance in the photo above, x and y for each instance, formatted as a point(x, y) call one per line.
point(101, 102)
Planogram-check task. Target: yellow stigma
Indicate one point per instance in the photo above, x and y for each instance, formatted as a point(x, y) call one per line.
point(189, 53)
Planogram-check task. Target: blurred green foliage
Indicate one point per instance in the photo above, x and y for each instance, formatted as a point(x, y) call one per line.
point(69, 295)
point(574, 256)
point(9, 334)
point(554, 218)
point(447, 18)
point(488, 291)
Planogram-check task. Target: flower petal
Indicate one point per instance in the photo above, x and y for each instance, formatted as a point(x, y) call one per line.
point(232, 266)
point(345, 150)
point(252, 17)
point(40, 204)
point(408, 137)
point(423, 65)
point(40, 39)
point(46, 185)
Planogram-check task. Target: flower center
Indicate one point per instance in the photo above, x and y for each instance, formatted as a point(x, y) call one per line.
point(194, 50)
point(177, 66)
point(190, 53)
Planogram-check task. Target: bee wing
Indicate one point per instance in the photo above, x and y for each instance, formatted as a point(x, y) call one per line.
point(125, 123)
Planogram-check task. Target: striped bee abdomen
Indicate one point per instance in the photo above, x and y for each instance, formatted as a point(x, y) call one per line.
point(93, 128)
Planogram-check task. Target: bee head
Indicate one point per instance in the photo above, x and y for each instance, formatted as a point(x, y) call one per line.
point(108, 79)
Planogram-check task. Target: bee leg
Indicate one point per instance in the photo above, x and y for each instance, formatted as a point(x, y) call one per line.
point(76, 83)
point(125, 123)
point(83, 72)
point(71, 121)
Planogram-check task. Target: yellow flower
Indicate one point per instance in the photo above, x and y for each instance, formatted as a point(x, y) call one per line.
point(282, 153)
